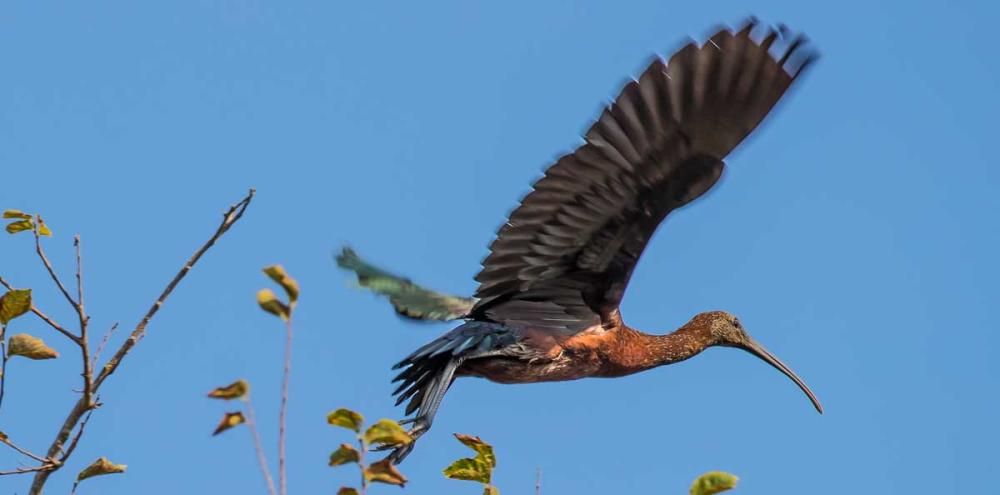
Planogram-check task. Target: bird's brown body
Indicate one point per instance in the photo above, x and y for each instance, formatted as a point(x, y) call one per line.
point(549, 291)
point(598, 351)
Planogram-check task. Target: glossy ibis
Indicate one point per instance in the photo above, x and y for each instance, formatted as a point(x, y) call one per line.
point(549, 291)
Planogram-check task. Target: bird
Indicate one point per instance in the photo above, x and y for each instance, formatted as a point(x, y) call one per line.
point(547, 304)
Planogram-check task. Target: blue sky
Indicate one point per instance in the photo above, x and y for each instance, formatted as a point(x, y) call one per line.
point(855, 236)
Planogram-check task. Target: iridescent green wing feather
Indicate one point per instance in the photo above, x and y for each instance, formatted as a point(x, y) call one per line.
point(408, 299)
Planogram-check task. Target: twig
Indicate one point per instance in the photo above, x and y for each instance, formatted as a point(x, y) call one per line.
point(3, 366)
point(234, 213)
point(79, 271)
point(104, 342)
point(84, 405)
point(79, 433)
point(22, 451)
point(259, 447)
point(48, 265)
point(538, 481)
point(44, 317)
point(84, 343)
point(44, 468)
point(361, 466)
point(284, 407)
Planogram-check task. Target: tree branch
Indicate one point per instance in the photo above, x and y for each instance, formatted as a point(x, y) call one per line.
point(84, 342)
point(44, 468)
point(44, 317)
point(22, 451)
point(258, 447)
point(3, 365)
point(282, 422)
point(104, 342)
point(48, 265)
point(85, 404)
point(234, 213)
point(79, 433)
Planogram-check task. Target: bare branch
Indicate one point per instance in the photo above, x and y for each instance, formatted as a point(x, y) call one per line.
point(22, 451)
point(3, 365)
point(79, 271)
point(84, 343)
point(282, 422)
point(44, 468)
point(85, 404)
point(48, 265)
point(259, 447)
point(234, 213)
point(79, 433)
point(104, 342)
point(44, 317)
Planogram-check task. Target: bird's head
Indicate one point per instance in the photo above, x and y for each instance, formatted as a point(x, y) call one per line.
point(727, 331)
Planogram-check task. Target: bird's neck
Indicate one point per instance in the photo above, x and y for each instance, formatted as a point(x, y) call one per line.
point(644, 351)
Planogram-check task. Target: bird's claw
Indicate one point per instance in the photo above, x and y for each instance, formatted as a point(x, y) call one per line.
point(420, 426)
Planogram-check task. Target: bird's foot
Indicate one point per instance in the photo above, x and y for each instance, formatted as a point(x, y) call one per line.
point(420, 426)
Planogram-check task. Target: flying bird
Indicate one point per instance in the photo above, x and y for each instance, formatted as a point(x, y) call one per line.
point(547, 306)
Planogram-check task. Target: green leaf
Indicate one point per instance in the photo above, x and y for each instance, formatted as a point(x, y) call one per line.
point(346, 490)
point(483, 450)
point(345, 454)
point(20, 226)
point(346, 418)
point(384, 472)
point(100, 467)
point(13, 304)
point(491, 490)
point(30, 347)
point(236, 390)
point(16, 214)
point(270, 303)
point(279, 275)
point(386, 432)
point(469, 469)
point(713, 482)
point(230, 420)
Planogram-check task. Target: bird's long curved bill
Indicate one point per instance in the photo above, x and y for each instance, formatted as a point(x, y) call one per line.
point(759, 351)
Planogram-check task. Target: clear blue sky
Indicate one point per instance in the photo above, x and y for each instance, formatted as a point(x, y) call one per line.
point(855, 235)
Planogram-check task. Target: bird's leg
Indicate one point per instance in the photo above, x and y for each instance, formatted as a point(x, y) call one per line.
point(420, 426)
point(428, 408)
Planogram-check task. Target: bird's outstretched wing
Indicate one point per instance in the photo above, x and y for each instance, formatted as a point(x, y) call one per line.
point(565, 255)
point(408, 299)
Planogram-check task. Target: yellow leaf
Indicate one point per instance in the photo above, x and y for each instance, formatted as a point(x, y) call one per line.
point(347, 491)
point(386, 432)
point(279, 275)
point(230, 420)
point(13, 304)
point(713, 482)
point(236, 390)
point(43, 228)
point(491, 490)
point(344, 455)
point(469, 469)
point(384, 472)
point(20, 226)
point(3, 437)
point(16, 214)
point(270, 303)
point(484, 451)
point(100, 467)
point(30, 347)
point(346, 418)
